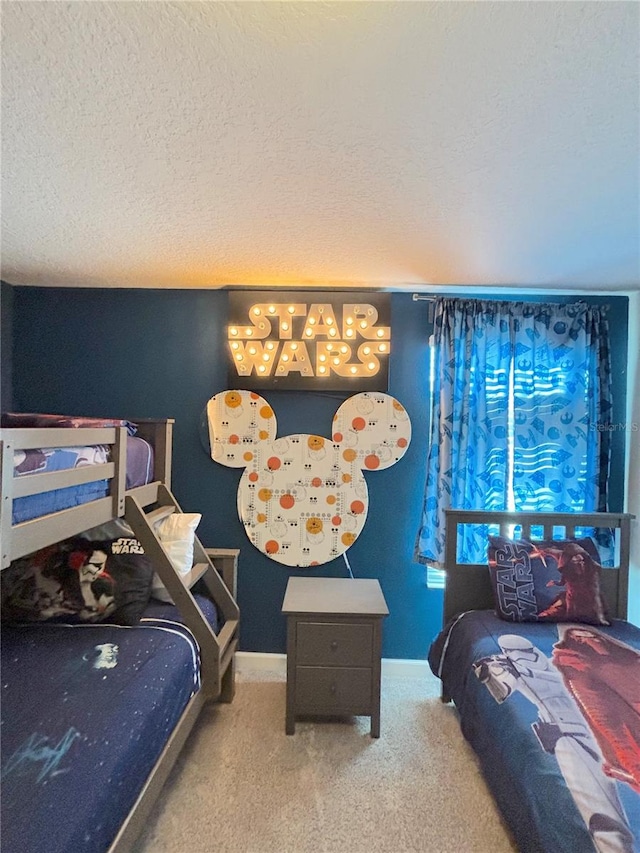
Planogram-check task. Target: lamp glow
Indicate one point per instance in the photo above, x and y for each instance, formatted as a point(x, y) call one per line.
point(336, 341)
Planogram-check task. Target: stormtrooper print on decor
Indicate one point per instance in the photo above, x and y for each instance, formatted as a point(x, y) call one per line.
point(303, 498)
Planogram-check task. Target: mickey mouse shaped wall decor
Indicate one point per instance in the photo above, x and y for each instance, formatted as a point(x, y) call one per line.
point(303, 498)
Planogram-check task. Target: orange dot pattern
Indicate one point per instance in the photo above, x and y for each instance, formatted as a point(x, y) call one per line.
point(303, 498)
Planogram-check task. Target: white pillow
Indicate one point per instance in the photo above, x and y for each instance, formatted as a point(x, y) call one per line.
point(177, 533)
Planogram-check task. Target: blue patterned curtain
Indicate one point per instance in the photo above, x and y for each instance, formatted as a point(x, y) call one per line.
point(520, 413)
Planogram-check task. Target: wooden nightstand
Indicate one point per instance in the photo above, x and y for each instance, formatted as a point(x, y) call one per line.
point(334, 647)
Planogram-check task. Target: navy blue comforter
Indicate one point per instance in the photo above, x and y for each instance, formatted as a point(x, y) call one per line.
point(86, 711)
point(553, 713)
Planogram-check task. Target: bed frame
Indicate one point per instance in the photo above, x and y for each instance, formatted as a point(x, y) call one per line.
point(140, 507)
point(468, 587)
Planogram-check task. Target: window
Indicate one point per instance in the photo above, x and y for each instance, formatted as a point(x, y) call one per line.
point(519, 401)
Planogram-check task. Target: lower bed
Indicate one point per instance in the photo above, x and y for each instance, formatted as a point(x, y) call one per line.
point(553, 713)
point(86, 711)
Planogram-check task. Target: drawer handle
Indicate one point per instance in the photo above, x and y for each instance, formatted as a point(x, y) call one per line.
point(334, 645)
point(333, 687)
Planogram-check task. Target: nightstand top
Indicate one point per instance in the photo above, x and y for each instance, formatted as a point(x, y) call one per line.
point(355, 596)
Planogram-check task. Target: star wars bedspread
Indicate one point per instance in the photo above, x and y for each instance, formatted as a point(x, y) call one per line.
point(86, 711)
point(553, 713)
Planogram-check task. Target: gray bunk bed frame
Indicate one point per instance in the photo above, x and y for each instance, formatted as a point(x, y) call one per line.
point(140, 507)
point(468, 586)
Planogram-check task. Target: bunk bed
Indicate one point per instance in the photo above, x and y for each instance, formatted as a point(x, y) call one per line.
point(73, 692)
point(551, 708)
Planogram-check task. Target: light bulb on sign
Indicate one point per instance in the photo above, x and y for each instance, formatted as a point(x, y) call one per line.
point(329, 327)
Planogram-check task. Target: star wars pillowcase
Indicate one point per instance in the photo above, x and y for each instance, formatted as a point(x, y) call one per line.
point(79, 580)
point(549, 581)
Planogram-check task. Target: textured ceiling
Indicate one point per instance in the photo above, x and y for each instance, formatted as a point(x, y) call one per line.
point(390, 144)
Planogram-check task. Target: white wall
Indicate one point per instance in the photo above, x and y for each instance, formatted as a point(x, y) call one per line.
point(633, 452)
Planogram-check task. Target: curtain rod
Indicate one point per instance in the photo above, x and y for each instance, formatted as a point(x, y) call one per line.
point(419, 297)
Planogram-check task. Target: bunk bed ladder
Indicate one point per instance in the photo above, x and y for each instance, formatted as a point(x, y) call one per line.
point(217, 650)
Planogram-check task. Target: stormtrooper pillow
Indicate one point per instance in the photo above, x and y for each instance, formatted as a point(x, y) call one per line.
point(79, 580)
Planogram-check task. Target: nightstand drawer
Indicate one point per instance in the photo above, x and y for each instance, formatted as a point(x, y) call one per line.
point(325, 690)
point(335, 644)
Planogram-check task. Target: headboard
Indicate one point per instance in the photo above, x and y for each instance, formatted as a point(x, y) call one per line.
point(468, 587)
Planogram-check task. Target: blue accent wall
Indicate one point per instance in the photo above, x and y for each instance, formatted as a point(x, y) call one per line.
point(6, 346)
point(161, 353)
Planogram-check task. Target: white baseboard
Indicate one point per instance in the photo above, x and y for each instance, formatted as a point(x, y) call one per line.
point(269, 662)
point(400, 668)
point(261, 662)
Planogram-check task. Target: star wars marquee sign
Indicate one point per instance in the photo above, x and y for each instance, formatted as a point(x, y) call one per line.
point(309, 340)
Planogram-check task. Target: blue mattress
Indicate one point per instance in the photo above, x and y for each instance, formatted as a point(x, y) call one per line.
point(86, 711)
point(553, 714)
point(158, 610)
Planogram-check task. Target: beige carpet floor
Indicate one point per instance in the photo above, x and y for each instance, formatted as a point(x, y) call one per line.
point(242, 786)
